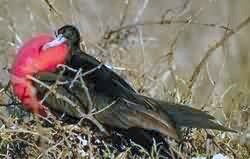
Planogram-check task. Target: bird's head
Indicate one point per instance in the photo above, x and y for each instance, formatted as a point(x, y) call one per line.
point(71, 33)
point(67, 34)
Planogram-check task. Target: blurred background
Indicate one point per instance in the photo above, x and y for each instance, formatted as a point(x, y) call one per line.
point(158, 46)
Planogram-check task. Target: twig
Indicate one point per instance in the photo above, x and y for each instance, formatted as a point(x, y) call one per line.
point(172, 148)
point(140, 147)
point(90, 102)
point(92, 70)
point(64, 67)
point(90, 116)
point(20, 130)
point(90, 147)
point(230, 149)
point(52, 147)
point(83, 115)
point(211, 136)
point(105, 108)
point(94, 121)
point(66, 99)
point(210, 51)
point(52, 8)
point(178, 11)
point(4, 120)
point(163, 22)
point(9, 104)
point(2, 90)
point(125, 12)
point(80, 75)
point(34, 146)
point(141, 11)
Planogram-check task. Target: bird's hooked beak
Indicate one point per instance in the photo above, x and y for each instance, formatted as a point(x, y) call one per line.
point(60, 39)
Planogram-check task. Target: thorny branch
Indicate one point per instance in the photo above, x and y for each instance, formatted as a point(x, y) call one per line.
point(210, 51)
point(78, 77)
point(52, 90)
point(125, 12)
point(5, 90)
point(163, 22)
point(51, 7)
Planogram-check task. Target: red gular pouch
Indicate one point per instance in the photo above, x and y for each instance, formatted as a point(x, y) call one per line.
point(31, 59)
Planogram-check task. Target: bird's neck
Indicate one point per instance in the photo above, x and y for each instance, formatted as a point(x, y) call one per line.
point(74, 49)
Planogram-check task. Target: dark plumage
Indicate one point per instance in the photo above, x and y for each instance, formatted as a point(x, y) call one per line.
point(130, 110)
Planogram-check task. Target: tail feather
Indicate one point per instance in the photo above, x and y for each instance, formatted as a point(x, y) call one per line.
point(186, 116)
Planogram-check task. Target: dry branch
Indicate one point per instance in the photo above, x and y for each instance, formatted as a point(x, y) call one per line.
point(78, 78)
point(211, 50)
point(163, 22)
